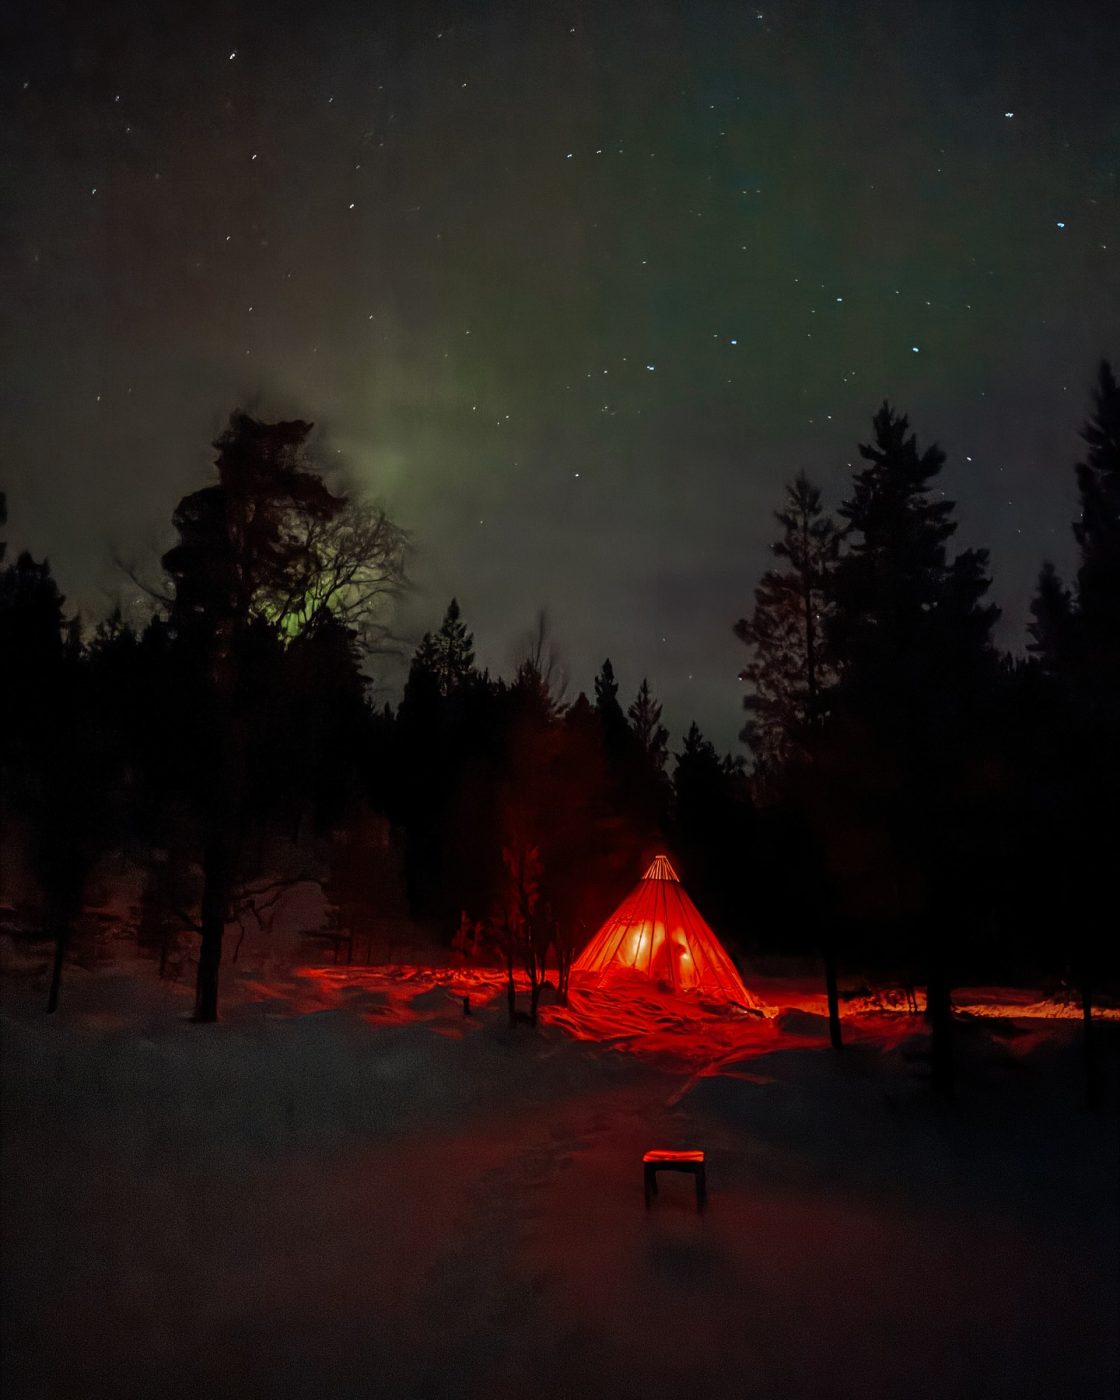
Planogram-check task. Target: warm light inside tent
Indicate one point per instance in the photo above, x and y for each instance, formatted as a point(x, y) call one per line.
point(657, 932)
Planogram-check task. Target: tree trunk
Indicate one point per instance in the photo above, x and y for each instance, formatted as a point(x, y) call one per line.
point(66, 906)
point(834, 1033)
point(537, 964)
point(1092, 1077)
point(215, 903)
point(224, 843)
point(61, 943)
point(511, 990)
point(538, 970)
point(534, 1000)
point(939, 1009)
point(563, 973)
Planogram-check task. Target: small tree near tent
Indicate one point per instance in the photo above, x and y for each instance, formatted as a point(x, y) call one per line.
point(559, 837)
point(590, 842)
point(559, 847)
point(258, 556)
point(524, 924)
point(526, 810)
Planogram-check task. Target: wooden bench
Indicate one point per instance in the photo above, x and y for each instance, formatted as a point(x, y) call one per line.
point(692, 1162)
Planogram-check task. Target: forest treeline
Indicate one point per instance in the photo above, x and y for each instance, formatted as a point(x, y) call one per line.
point(958, 804)
point(915, 799)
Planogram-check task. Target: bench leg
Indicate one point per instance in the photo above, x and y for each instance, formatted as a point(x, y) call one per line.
point(651, 1184)
point(701, 1189)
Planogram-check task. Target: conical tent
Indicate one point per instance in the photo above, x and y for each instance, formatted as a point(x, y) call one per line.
point(657, 932)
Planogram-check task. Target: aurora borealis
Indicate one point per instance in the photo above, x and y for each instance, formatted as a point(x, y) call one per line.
point(573, 288)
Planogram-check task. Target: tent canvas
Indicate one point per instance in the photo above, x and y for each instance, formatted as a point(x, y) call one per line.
point(658, 933)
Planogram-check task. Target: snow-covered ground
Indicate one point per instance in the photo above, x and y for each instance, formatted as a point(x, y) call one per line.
point(349, 1188)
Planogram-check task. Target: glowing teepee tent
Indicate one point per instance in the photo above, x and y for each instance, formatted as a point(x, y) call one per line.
point(658, 933)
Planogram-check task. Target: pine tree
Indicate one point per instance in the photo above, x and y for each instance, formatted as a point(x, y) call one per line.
point(265, 554)
point(326, 720)
point(558, 838)
point(712, 828)
point(606, 687)
point(645, 720)
point(911, 640)
point(616, 732)
point(790, 678)
point(56, 759)
point(1098, 535)
point(788, 672)
point(442, 794)
point(448, 655)
point(1088, 678)
point(606, 698)
point(910, 633)
point(1051, 622)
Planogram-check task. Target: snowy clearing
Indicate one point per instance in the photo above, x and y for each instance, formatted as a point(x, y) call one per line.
point(350, 1188)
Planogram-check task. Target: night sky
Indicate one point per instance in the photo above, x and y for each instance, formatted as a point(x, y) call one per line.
point(573, 288)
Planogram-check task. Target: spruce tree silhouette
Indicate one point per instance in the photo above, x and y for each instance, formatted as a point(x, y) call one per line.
point(645, 788)
point(712, 831)
point(561, 839)
point(1097, 532)
point(910, 637)
point(1051, 626)
point(789, 673)
point(53, 757)
point(449, 653)
point(615, 729)
point(644, 715)
point(1077, 641)
point(635, 750)
point(448, 731)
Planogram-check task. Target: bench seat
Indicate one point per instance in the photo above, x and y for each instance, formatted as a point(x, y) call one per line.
point(663, 1159)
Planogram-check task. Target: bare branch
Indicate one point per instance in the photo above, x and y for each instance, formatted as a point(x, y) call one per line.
point(129, 571)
